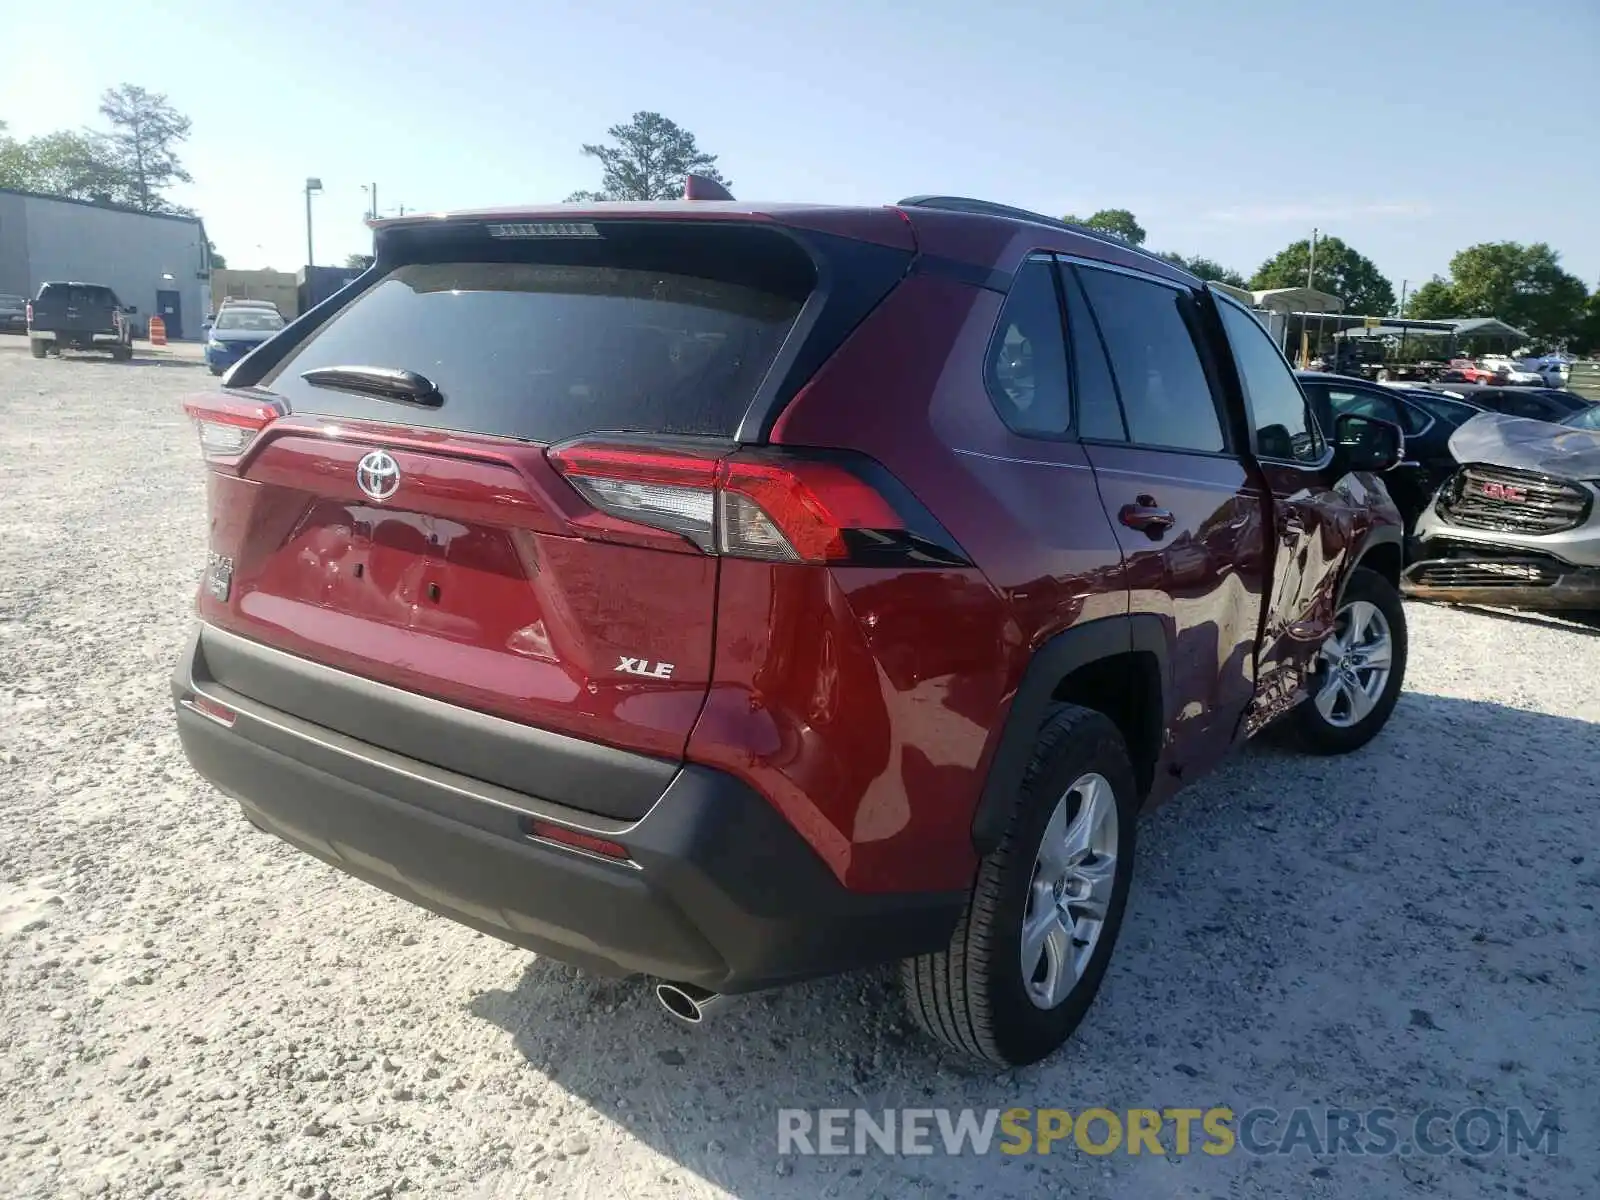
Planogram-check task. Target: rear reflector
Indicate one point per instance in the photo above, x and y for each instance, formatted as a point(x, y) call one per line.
point(207, 707)
point(548, 831)
point(227, 426)
point(778, 506)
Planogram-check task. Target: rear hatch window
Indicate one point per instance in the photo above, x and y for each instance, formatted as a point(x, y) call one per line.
point(76, 295)
point(651, 328)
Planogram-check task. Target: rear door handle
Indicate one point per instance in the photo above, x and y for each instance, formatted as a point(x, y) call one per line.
point(1145, 516)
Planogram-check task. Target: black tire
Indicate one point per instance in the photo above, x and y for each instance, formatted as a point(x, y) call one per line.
point(1313, 730)
point(122, 353)
point(38, 347)
point(972, 996)
point(216, 370)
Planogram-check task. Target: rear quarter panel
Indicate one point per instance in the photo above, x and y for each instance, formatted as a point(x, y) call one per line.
point(869, 705)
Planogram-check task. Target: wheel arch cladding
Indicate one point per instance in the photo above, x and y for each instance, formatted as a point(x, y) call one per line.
point(1117, 666)
point(1381, 551)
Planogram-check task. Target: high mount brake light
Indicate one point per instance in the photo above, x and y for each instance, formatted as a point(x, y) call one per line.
point(774, 506)
point(226, 426)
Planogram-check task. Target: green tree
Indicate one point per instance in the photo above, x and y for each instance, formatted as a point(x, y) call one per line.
point(218, 262)
point(1206, 268)
point(76, 165)
point(650, 157)
point(1339, 270)
point(1433, 301)
point(1521, 285)
point(145, 133)
point(358, 262)
point(1586, 338)
point(1118, 222)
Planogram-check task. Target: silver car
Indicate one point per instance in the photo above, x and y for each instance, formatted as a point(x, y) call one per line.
point(1519, 523)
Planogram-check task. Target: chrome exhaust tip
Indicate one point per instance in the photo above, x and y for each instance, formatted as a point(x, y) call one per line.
point(688, 1003)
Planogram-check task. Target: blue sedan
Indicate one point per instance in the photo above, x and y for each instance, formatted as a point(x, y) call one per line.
point(236, 332)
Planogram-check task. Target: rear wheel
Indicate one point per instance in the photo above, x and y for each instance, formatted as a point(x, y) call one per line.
point(38, 347)
point(1028, 955)
point(1359, 671)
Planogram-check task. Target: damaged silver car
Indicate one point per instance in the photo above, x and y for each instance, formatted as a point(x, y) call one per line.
point(1518, 524)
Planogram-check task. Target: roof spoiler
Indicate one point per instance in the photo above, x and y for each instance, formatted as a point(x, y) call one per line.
point(698, 187)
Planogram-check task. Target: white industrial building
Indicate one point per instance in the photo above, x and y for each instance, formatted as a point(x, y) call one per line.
point(154, 261)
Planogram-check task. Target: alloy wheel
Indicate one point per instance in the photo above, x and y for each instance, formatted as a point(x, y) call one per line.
point(1355, 664)
point(1070, 892)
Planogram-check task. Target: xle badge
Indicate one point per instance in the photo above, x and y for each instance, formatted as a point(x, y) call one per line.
point(219, 575)
point(650, 670)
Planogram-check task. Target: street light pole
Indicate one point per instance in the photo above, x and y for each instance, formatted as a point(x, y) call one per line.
point(313, 186)
point(1305, 334)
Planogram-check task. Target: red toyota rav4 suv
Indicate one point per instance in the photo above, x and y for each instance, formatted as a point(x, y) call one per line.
point(737, 594)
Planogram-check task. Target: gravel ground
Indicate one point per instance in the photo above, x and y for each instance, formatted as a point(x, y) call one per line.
point(188, 1007)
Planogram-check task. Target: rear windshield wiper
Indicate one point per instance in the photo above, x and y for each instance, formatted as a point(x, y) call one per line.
point(386, 383)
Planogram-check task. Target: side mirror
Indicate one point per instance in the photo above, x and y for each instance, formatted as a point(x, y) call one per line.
point(1367, 444)
point(131, 309)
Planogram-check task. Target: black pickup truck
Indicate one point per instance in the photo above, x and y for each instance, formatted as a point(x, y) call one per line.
point(79, 316)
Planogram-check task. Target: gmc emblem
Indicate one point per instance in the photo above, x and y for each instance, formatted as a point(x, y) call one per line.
point(1504, 491)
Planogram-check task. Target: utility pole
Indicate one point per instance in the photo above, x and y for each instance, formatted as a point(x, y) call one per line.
point(372, 200)
point(1305, 333)
point(1403, 284)
point(313, 186)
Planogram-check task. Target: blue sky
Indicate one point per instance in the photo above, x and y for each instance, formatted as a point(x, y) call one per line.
point(1229, 127)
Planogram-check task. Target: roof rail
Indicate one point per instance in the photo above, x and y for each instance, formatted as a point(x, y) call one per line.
point(989, 208)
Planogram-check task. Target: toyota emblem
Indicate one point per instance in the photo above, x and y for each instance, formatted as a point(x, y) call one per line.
point(378, 475)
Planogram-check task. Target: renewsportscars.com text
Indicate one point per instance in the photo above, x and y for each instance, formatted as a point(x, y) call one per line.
point(1214, 1131)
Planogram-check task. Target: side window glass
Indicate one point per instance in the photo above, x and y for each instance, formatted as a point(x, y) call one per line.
point(1413, 419)
point(1099, 411)
point(1365, 404)
point(1284, 428)
point(1166, 397)
point(1026, 370)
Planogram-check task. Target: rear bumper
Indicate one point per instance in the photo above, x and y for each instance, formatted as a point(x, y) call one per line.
point(720, 890)
point(77, 338)
point(225, 358)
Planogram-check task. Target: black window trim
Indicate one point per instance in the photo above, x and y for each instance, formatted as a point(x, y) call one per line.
point(1208, 367)
point(1062, 269)
point(1220, 297)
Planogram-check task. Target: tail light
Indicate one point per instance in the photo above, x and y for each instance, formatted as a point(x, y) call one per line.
point(227, 426)
point(27, 312)
point(779, 506)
